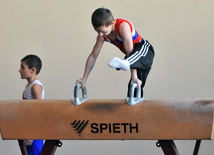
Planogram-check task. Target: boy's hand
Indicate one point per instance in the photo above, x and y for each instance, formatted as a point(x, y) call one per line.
point(83, 81)
point(136, 80)
point(28, 142)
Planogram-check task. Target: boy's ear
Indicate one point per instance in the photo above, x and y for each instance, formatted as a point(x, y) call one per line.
point(113, 22)
point(33, 70)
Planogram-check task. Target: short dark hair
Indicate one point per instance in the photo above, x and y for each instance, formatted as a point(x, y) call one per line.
point(101, 17)
point(33, 61)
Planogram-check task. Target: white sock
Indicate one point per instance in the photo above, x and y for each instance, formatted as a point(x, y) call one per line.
point(118, 63)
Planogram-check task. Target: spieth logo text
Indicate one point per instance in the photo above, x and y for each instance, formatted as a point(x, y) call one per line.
point(80, 125)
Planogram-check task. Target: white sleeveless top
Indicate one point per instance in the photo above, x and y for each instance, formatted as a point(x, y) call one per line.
point(28, 93)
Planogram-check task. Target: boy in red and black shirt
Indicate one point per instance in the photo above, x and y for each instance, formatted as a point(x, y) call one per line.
point(139, 53)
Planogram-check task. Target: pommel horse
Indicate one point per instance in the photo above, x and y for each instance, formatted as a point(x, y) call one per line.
point(164, 120)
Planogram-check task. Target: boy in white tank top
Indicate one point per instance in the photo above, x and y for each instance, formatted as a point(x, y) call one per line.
point(30, 68)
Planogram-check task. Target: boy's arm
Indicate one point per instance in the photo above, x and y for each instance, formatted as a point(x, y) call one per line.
point(91, 60)
point(125, 33)
point(134, 78)
point(36, 91)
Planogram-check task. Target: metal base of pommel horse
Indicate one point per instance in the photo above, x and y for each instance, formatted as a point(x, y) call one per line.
point(169, 147)
point(164, 120)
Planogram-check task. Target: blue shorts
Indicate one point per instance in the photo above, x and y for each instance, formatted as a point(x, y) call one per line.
point(35, 148)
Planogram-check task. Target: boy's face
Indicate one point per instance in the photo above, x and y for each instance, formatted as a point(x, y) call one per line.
point(24, 71)
point(104, 31)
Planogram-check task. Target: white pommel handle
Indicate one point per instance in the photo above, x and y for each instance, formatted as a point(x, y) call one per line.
point(77, 100)
point(131, 100)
